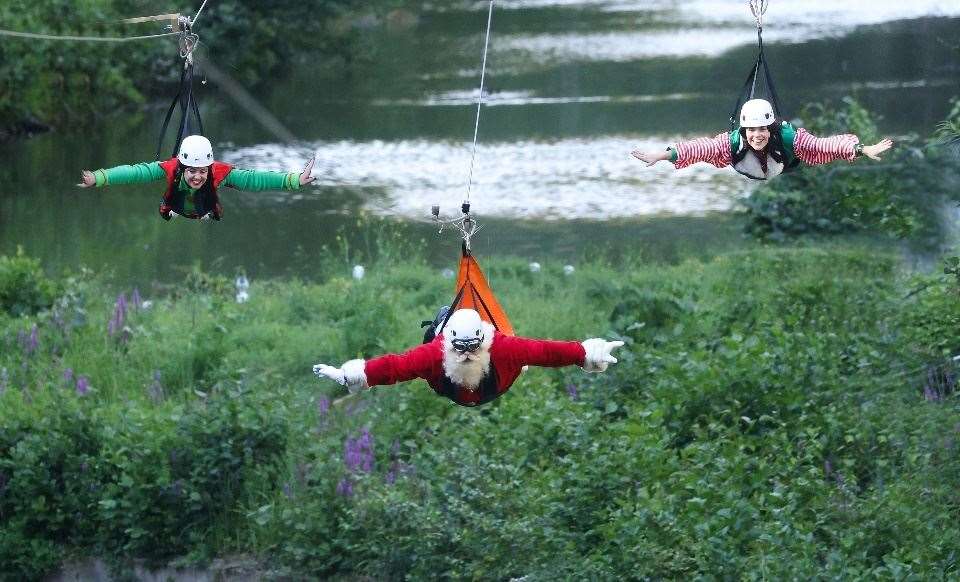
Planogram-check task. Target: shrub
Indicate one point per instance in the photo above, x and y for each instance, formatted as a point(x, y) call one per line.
point(24, 289)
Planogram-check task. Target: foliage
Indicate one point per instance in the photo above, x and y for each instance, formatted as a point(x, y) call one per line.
point(55, 82)
point(24, 289)
point(901, 196)
point(949, 129)
point(768, 418)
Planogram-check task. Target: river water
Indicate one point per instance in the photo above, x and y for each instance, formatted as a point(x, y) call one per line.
point(572, 87)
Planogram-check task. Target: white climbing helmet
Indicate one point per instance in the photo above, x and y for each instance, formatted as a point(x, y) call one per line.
point(195, 152)
point(757, 113)
point(464, 329)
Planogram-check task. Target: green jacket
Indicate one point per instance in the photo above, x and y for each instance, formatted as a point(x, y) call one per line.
point(250, 180)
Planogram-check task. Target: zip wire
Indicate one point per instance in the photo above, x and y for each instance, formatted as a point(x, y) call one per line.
point(476, 126)
point(81, 38)
point(197, 15)
point(465, 223)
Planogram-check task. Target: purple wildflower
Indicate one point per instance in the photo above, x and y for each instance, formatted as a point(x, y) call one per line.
point(345, 487)
point(287, 491)
point(29, 343)
point(365, 444)
point(572, 392)
point(136, 300)
point(119, 318)
point(351, 454)
point(83, 385)
point(358, 453)
point(68, 375)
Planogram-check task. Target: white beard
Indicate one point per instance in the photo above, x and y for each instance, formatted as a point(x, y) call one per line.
point(467, 369)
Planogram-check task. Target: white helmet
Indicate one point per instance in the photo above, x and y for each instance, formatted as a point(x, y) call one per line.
point(464, 329)
point(195, 152)
point(757, 113)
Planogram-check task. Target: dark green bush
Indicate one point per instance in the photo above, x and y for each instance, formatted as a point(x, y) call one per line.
point(169, 485)
point(49, 487)
point(24, 289)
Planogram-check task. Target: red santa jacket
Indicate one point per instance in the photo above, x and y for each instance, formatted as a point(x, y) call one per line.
point(508, 356)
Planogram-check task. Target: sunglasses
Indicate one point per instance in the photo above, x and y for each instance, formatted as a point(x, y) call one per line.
point(466, 345)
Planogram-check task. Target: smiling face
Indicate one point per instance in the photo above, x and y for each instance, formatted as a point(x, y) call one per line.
point(195, 177)
point(758, 137)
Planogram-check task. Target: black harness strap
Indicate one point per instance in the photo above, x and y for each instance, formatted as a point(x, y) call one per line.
point(749, 90)
point(184, 97)
point(489, 389)
point(188, 107)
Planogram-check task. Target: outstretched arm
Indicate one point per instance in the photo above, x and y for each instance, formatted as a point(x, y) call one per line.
point(592, 355)
point(813, 150)
point(712, 150)
point(419, 362)
point(259, 180)
point(128, 174)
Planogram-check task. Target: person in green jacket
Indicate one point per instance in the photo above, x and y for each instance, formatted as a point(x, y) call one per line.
point(194, 178)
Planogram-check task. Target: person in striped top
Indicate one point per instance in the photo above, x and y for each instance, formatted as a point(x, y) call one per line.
point(763, 147)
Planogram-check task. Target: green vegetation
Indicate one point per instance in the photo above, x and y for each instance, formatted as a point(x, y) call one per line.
point(776, 413)
point(59, 83)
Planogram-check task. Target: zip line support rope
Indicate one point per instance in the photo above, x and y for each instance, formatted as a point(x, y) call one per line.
point(465, 223)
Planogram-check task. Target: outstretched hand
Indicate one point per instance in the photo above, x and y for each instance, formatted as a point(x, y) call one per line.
point(335, 374)
point(650, 158)
point(305, 177)
point(598, 354)
point(873, 152)
point(87, 179)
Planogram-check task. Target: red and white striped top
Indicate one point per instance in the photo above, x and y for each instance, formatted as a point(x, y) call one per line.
point(808, 148)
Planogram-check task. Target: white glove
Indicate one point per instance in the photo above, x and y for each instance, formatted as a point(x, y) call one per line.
point(598, 356)
point(173, 215)
point(352, 374)
point(206, 216)
point(335, 374)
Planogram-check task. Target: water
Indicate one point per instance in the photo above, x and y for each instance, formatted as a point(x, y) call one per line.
point(573, 86)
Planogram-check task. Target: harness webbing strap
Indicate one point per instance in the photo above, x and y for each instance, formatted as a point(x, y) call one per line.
point(749, 90)
point(188, 106)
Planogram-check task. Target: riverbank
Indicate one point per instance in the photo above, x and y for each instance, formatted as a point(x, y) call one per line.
point(775, 412)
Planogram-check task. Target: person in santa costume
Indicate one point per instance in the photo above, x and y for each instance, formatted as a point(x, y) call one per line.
point(470, 362)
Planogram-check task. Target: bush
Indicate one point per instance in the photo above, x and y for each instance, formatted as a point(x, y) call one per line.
point(24, 289)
